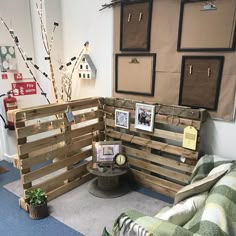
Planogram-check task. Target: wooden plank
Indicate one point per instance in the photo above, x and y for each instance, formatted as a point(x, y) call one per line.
point(36, 174)
point(25, 156)
point(180, 111)
point(69, 186)
point(52, 109)
point(163, 147)
point(158, 159)
point(155, 184)
point(180, 122)
point(162, 119)
point(51, 140)
point(57, 181)
point(157, 132)
point(159, 170)
point(59, 152)
point(55, 124)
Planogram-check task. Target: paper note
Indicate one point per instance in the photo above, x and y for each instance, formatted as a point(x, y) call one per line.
point(190, 138)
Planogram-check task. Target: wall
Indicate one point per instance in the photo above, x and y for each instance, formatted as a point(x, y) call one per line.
point(17, 15)
point(82, 21)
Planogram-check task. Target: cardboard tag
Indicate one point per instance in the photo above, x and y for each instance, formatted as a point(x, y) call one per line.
point(69, 116)
point(190, 138)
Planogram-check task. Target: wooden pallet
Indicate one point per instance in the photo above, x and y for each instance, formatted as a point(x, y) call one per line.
point(52, 151)
point(155, 157)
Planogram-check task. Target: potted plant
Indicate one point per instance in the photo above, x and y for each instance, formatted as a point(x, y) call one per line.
point(37, 203)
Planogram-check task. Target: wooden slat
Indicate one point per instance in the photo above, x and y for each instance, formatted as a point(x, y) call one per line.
point(59, 152)
point(55, 166)
point(179, 111)
point(69, 186)
point(57, 181)
point(153, 144)
point(52, 109)
point(179, 122)
point(25, 156)
point(51, 140)
point(157, 184)
point(55, 124)
point(159, 170)
point(163, 119)
point(156, 133)
point(158, 159)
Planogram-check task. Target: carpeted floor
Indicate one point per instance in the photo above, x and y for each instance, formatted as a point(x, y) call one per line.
point(87, 214)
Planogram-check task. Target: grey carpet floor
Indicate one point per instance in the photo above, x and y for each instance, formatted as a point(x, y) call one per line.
point(88, 214)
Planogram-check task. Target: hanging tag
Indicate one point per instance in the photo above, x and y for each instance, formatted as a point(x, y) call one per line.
point(69, 115)
point(190, 138)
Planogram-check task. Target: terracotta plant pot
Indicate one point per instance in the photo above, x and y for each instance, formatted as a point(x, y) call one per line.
point(38, 212)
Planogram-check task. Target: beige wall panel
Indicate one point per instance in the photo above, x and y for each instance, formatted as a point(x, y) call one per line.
point(164, 34)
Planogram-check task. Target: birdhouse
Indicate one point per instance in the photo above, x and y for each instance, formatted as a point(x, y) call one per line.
point(87, 70)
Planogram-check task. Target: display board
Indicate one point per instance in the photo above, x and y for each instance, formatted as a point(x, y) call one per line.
point(200, 81)
point(214, 29)
point(163, 41)
point(135, 25)
point(135, 73)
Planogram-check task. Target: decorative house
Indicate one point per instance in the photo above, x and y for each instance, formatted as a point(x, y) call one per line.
point(87, 70)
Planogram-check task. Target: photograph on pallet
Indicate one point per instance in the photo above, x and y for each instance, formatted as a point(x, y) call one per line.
point(144, 117)
point(122, 119)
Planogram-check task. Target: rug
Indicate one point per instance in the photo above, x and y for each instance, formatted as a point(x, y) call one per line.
point(88, 214)
point(3, 170)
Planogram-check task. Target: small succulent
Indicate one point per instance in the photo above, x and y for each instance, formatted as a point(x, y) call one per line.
point(35, 197)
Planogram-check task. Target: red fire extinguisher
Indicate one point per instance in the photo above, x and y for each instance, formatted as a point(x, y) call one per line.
point(10, 103)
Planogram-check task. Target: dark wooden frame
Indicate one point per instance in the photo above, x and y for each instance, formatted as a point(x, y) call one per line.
point(183, 2)
point(153, 55)
point(149, 25)
point(221, 60)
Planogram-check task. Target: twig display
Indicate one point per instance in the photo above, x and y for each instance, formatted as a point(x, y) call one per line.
point(66, 78)
point(24, 57)
point(66, 81)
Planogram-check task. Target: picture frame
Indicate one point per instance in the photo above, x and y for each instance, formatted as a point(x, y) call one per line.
point(214, 29)
point(122, 119)
point(144, 117)
point(135, 25)
point(135, 73)
point(105, 151)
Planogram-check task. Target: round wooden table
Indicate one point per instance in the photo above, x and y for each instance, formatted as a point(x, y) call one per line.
point(107, 184)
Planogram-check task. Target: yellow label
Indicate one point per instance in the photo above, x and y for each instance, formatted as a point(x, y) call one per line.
point(190, 138)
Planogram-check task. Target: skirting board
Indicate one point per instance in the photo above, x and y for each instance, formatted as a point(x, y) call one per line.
point(9, 158)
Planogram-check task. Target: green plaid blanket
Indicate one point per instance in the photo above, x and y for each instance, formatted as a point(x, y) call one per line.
point(216, 217)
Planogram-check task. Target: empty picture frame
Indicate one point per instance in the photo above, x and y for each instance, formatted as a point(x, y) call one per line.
point(135, 73)
point(200, 81)
point(135, 25)
point(206, 26)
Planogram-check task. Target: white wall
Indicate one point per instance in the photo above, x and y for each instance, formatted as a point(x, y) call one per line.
point(82, 21)
point(17, 15)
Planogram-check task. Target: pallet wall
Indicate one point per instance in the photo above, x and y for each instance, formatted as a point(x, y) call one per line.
point(157, 159)
point(52, 151)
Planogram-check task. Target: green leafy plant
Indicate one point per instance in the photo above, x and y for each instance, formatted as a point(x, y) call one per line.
point(35, 197)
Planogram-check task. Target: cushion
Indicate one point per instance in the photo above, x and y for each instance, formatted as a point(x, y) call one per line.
point(182, 212)
point(199, 186)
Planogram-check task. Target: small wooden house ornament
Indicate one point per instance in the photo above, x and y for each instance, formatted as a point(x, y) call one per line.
point(87, 70)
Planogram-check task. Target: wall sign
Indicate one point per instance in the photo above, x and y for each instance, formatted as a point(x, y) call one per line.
point(4, 76)
point(8, 58)
point(18, 76)
point(24, 88)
